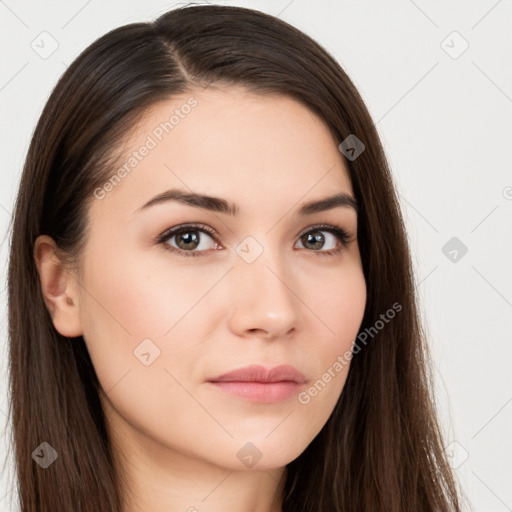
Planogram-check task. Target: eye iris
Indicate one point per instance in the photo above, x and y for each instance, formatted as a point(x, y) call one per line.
point(187, 238)
point(316, 237)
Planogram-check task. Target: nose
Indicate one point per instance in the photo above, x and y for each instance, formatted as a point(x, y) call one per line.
point(264, 304)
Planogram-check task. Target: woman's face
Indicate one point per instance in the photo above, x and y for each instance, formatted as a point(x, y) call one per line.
point(163, 316)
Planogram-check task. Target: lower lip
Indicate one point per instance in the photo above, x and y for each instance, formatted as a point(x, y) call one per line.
point(263, 392)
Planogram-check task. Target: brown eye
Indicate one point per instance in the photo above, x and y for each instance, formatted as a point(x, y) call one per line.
point(315, 240)
point(189, 240)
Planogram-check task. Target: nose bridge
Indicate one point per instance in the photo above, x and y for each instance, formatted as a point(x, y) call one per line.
point(262, 262)
point(263, 296)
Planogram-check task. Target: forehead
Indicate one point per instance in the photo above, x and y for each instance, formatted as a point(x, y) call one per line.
point(248, 147)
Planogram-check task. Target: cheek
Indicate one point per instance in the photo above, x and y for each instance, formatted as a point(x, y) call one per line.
point(338, 302)
point(126, 314)
point(343, 302)
point(340, 310)
point(132, 308)
point(139, 300)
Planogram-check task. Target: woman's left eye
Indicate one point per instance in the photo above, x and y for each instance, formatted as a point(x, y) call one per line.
point(315, 237)
point(189, 242)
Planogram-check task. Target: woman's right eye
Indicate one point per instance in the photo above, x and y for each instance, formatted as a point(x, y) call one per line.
point(188, 239)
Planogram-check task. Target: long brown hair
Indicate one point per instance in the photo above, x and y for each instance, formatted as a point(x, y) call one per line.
point(381, 449)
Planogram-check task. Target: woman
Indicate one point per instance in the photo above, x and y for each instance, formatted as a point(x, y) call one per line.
point(211, 302)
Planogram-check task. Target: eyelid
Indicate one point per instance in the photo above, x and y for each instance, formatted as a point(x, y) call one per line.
point(183, 227)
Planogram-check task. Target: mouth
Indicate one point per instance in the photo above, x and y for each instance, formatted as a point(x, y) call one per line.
point(257, 383)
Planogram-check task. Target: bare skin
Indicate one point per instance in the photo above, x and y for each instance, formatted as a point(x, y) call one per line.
point(175, 436)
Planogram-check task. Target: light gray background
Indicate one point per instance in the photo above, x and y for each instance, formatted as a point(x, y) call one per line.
point(445, 118)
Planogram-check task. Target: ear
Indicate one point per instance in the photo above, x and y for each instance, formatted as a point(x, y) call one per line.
point(59, 288)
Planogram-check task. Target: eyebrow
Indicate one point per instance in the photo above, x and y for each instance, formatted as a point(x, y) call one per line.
point(219, 205)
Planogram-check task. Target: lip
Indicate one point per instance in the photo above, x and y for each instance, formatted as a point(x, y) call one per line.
point(259, 373)
point(258, 383)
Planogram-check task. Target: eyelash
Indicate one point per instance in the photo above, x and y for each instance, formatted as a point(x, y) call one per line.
point(344, 237)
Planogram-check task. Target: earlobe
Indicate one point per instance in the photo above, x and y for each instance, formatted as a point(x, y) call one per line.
point(59, 288)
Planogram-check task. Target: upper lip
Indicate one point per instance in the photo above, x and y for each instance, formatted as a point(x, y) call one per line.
point(259, 373)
